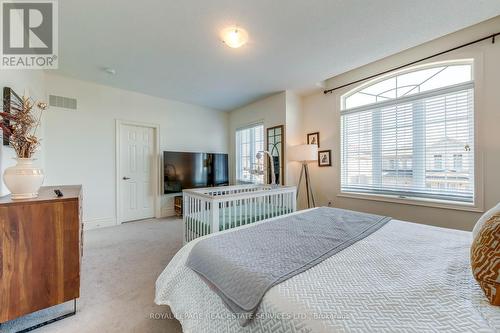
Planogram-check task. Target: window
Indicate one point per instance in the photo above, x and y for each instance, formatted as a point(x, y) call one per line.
point(249, 141)
point(438, 162)
point(457, 162)
point(411, 135)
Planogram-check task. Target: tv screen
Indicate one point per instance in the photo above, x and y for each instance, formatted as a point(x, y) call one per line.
point(184, 170)
point(218, 171)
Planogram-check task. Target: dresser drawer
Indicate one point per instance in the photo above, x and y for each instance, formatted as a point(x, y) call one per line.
point(40, 247)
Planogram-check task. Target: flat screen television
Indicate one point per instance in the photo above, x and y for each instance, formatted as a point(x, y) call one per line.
point(183, 170)
point(218, 173)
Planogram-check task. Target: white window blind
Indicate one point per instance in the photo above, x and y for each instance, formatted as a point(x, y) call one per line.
point(249, 141)
point(418, 145)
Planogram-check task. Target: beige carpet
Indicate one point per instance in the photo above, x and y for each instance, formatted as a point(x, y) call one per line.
point(119, 269)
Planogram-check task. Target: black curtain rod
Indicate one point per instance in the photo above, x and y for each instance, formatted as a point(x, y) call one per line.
point(492, 37)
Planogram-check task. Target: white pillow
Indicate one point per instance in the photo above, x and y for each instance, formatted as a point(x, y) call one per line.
point(486, 216)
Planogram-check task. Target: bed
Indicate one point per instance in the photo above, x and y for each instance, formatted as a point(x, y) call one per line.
point(213, 209)
point(403, 277)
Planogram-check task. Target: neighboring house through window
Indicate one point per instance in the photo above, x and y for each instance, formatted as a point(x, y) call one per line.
point(411, 134)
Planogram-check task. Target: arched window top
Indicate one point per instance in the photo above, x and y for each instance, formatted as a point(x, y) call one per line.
point(408, 82)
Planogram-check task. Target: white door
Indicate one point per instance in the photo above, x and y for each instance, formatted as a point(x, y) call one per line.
point(136, 173)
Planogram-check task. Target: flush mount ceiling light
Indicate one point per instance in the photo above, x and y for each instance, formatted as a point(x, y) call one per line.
point(234, 37)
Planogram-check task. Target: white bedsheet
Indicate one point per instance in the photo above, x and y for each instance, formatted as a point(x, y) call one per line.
point(405, 277)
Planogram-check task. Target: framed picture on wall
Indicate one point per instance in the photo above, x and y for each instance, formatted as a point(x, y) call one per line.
point(324, 158)
point(313, 138)
point(11, 103)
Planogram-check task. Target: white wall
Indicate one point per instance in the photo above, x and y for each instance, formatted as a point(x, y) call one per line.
point(322, 113)
point(284, 108)
point(294, 134)
point(79, 145)
point(270, 111)
point(21, 81)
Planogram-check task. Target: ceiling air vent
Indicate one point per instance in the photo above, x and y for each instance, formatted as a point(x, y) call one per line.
point(62, 102)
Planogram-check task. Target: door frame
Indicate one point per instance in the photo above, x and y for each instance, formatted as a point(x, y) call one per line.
point(156, 165)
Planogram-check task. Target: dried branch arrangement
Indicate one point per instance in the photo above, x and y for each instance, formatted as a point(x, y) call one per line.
point(22, 124)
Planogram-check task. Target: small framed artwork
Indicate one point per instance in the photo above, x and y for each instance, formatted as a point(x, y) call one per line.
point(324, 158)
point(313, 138)
point(11, 103)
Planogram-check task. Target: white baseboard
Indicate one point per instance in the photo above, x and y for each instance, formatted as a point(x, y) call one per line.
point(99, 223)
point(111, 221)
point(167, 212)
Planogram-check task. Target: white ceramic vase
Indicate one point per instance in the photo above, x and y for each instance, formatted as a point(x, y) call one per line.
point(24, 179)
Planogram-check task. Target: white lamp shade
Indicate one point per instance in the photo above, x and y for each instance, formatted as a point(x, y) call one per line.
point(303, 153)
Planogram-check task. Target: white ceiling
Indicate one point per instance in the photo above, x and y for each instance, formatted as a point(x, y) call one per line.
point(171, 48)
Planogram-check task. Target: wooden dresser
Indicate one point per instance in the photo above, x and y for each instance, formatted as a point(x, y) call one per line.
point(40, 251)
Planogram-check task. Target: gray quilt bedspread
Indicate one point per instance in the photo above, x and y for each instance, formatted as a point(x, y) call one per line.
point(242, 265)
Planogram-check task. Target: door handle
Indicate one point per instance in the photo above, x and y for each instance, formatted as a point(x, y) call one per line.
point(125, 178)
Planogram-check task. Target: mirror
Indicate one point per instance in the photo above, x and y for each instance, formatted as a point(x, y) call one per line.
point(275, 144)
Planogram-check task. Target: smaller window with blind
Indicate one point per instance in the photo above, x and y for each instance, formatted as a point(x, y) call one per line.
point(249, 141)
point(411, 135)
